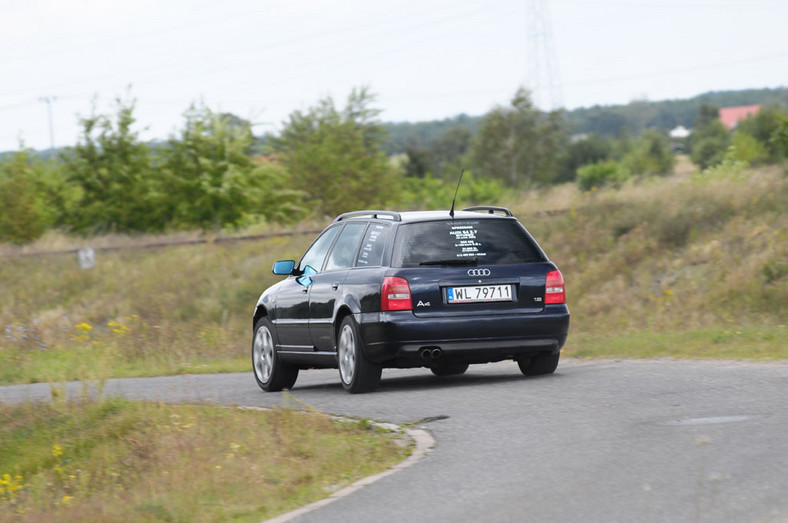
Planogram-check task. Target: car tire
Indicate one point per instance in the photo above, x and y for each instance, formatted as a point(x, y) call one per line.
point(544, 363)
point(449, 368)
point(356, 372)
point(270, 373)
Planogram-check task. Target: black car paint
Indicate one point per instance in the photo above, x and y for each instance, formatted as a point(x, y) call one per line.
point(306, 314)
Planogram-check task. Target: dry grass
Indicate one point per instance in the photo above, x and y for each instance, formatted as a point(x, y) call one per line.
point(116, 460)
point(138, 312)
point(661, 255)
point(681, 253)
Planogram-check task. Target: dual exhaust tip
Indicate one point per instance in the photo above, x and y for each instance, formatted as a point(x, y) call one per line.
point(430, 353)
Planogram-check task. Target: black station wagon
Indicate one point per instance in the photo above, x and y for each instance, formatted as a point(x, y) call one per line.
point(435, 289)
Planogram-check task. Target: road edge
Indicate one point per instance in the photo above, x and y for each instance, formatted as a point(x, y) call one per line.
point(424, 444)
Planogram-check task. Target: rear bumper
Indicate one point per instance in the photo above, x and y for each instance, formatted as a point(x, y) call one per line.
point(396, 338)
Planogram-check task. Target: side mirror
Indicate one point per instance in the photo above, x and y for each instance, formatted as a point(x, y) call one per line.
point(305, 280)
point(284, 267)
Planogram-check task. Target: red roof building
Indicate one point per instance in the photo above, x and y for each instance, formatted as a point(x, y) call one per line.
point(730, 116)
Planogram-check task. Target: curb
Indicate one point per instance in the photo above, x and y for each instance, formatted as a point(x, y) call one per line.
point(424, 444)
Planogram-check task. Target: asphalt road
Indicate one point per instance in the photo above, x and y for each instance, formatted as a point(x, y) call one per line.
point(599, 441)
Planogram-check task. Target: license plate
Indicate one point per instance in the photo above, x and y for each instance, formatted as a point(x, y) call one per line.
point(479, 293)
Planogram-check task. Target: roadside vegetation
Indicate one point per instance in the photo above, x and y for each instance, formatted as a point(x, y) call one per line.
point(117, 460)
point(691, 266)
point(695, 256)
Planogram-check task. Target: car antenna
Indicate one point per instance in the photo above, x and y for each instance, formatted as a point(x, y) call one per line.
point(451, 212)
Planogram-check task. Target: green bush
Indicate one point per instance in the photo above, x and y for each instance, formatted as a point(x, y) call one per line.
point(709, 144)
point(650, 155)
point(434, 193)
point(211, 180)
point(24, 214)
point(578, 153)
point(601, 174)
point(748, 149)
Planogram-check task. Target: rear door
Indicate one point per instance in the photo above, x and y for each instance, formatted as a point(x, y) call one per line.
point(327, 286)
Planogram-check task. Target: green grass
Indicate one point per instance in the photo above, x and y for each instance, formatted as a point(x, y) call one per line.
point(741, 342)
point(116, 460)
point(93, 363)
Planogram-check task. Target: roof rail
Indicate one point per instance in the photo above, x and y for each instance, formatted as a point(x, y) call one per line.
point(394, 216)
point(490, 209)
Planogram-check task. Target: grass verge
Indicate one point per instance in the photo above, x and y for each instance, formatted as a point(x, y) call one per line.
point(739, 342)
point(117, 460)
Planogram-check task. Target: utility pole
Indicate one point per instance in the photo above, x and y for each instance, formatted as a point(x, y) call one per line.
point(48, 100)
point(543, 76)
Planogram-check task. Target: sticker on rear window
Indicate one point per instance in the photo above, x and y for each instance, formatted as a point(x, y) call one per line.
point(465, 241)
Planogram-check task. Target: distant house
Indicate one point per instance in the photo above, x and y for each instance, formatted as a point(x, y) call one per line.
point(730, 116)
point(679, 132)
point(678, 139)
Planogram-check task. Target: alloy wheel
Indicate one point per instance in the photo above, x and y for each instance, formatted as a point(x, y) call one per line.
point(347, 354)
point(263, 354)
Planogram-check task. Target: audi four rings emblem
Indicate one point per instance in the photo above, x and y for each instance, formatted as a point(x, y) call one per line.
point(478, 272)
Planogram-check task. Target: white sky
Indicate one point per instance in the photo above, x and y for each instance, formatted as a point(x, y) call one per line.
point(425, 59)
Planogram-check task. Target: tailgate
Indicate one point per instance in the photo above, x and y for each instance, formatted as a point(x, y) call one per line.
point(477, 290)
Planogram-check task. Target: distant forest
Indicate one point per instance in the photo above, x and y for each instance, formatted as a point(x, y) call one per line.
point(609, 120)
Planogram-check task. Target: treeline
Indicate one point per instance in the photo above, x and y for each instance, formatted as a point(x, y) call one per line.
point(604, 120)
point(214, 173)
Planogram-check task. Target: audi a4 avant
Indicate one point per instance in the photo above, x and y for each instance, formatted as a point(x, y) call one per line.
point(437, 289)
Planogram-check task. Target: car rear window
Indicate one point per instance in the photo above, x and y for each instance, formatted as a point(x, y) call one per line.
point(487, 242)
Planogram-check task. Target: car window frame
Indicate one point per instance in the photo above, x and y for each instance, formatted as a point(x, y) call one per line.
point(300, 270)
point(364, 228)
point(391, 233)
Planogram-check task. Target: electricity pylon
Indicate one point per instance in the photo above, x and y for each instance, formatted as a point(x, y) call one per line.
point(543, 80)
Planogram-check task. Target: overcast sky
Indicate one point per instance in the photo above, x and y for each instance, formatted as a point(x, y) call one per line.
point(424, 59)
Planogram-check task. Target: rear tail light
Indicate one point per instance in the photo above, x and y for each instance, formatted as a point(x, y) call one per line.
point(554, 290)
point(395, 295)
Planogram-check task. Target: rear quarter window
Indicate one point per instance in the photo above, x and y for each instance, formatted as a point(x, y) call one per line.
point(490, 241)
point(372, 246)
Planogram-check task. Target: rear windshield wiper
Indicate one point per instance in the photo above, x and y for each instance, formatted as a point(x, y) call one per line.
point(455, 261)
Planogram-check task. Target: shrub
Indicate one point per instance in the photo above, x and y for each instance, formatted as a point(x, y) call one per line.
point(23, 214)
point(650, 155)
point(600, 174)
point(708, 144)
point(746, 148)
point(434, 193)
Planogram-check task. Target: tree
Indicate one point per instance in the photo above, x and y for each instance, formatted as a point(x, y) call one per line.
point(779, 138)
point(761, 127)
point(650, 155)
point(336, 156)
point(23, 211)
point(592, 149)
point(708, 144)
point(707, 114)
point(112, 169)
point(519, 144)
point(709, 139)
point(419, 164)
point(209, 180)
point(449, 149)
